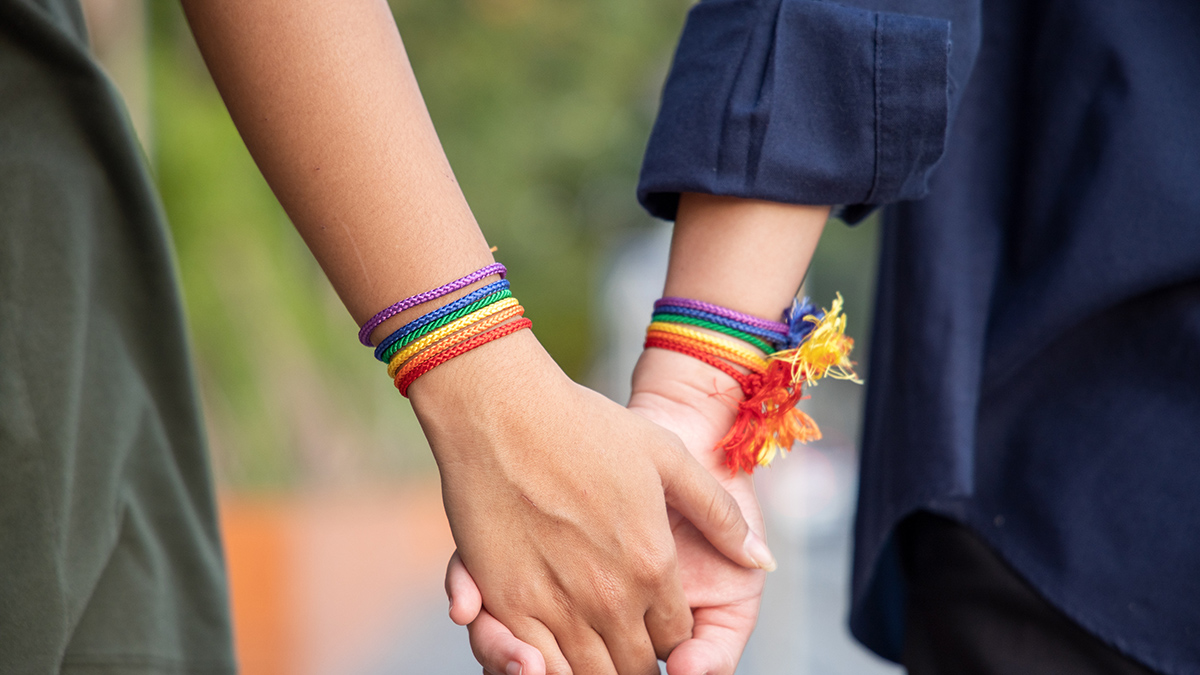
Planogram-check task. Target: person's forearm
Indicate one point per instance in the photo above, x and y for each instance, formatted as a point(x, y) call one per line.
point(744, 254)
point(325, 98)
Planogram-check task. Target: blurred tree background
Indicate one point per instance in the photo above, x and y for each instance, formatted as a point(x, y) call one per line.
point(543, 106)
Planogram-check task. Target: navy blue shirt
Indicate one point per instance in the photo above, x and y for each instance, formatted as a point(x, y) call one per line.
point(1035, 368)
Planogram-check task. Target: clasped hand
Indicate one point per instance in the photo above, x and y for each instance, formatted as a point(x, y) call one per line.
point(594, 538)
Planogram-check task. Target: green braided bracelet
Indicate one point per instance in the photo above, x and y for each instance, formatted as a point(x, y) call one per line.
point(732, 332)
point(434, 325)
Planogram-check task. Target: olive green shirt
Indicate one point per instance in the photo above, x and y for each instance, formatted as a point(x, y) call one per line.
point(110, 560)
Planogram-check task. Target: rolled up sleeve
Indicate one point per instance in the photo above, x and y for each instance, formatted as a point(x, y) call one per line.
point(801, 101)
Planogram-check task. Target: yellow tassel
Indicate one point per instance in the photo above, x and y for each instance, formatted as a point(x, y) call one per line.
point(768, 423)
point(826, 351)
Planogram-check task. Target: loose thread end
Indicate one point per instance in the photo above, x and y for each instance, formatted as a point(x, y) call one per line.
point(768, 422)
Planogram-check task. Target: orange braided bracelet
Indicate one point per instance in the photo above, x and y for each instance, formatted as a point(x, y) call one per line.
point(403, 382)
point(400, 365)
point(741, 357)
point(767, 421)
point(676, 344)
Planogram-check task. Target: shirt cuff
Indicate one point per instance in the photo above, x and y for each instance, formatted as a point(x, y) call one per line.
point(800, 101)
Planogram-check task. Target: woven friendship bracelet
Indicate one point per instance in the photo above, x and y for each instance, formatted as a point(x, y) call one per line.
point(767, 421)
point(364, 333)
point(439, 313)
point(726, 349)
point(397, 366)
point(453, 317)
point(507, 329)
point(671, 343)
point(703, 323)
point(451, 328)
point(768, 335)
point(773, 326)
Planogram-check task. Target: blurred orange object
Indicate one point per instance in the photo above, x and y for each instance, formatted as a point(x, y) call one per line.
point(323, 582)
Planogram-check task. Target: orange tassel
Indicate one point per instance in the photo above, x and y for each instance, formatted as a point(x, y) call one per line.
point(768, 422)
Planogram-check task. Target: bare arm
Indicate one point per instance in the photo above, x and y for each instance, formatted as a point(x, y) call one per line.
point(743, 254)
point(555, 495)
point(747, 255)
point(324, 96)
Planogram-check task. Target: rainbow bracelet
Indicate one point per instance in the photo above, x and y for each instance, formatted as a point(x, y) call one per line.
point(728, 350)
point(403, 355)
point(405, 381)
point(481, 316)
point(686, 303)
point(814, 346)
point(364, 333)
point(398, 368)
point(720, 328)
point(438, 313)
point(774, 336)
point(398, 340)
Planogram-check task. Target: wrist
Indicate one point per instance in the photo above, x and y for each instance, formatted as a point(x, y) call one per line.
point(745, 254)
point(476, 388)
point(680, 384)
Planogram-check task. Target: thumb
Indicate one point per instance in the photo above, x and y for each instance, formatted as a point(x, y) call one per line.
point(718, 640)
point(696, 494)
point(465, 600)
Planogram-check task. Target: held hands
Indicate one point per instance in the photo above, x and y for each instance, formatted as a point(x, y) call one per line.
point(558, 500)
point(676, 392)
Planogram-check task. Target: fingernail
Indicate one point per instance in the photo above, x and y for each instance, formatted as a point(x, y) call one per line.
point(451, 604)
point(757, 549)
point(514, 668)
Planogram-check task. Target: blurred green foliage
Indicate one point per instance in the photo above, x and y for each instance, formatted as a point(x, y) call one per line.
point(544, 107)
point(288, 398)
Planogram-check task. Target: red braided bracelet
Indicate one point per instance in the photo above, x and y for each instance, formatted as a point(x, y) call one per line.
point(458, 350)
point(663, 342)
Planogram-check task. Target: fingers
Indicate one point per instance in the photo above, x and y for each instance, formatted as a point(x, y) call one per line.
point(667, 629)
point(588, 655)
point(668, 620)
point(501, 653)
point(636, 646)
point(530, 631)
point(465, 601)
point(694, 492)
point(631, 650)
point(719, 637)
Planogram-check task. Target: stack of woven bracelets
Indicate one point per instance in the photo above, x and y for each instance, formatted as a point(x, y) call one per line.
point(451, 330)
point(770, 361)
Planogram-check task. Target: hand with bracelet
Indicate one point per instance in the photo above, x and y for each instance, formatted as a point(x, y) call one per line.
point(719, 249)
point(557, 497)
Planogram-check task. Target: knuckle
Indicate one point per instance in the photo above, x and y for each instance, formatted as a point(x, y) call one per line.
point(723, 511)
point(609, 595)
point(521, 598)
point(558, 666)
point(675, 635)
point(653, 565)
point(652, 667)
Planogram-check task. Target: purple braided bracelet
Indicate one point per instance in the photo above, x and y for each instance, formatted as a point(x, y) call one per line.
point(721, 311)
point(364, 333)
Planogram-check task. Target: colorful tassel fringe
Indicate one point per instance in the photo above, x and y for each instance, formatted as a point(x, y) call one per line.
point(768, 422)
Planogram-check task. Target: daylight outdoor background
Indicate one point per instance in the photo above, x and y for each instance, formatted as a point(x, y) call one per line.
point(330, 507)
